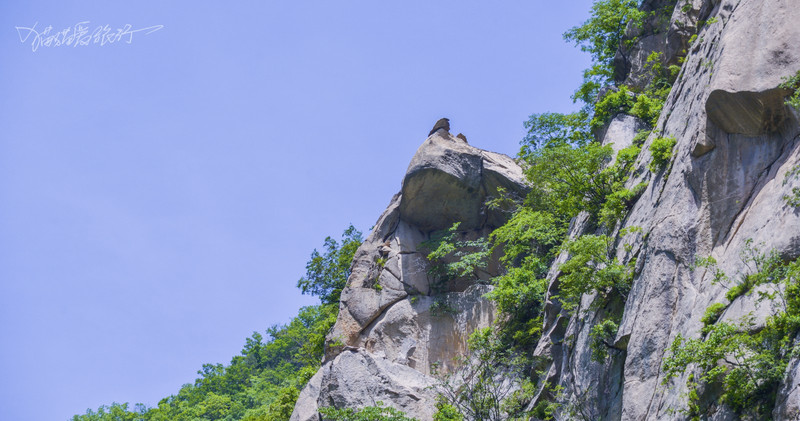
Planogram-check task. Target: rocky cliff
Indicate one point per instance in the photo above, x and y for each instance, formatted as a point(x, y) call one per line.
point(736, 141)
point(389, 334)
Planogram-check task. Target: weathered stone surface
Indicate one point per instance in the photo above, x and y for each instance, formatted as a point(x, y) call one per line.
point(413, 334)
point(445, 183)
point(724, 189)
point(748, 113)
point(356, 378)
point(621, 131)
point(788, 403)
point(395, 319)
point(735, 143)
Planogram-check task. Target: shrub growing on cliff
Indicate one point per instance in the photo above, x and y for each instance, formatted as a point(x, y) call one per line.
point(452, 257)
point(567, 180)
point(661, 151)
point(590, 269)
point(747, 362)
point(602, 35)
point(611, 104)
point(491, 383)
point(792, 199)
point(326, 274)
point(601, 336)
point(792, 84)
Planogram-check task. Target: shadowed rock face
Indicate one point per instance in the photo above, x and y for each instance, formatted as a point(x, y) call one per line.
point(448, 181)
point(386, 339)
point(748, 113)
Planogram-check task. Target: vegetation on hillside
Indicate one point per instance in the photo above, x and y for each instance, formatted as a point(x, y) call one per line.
point(740, 362)
point(263, 383)
point(571, 174)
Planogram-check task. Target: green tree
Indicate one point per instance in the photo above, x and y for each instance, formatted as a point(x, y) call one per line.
point(326, 274)
point(115, 412)
point(602, 35)
point(553, 129)
point(746, 362)
point(264, 381)
point(590, 268)
point(567, 180)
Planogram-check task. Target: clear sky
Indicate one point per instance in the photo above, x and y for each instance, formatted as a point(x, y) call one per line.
point(159, 198)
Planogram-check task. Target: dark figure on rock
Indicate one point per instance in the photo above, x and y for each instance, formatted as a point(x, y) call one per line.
point(443, 123)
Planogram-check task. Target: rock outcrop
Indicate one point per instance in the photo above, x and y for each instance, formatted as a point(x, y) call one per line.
point(396, 321)
point(725, 187)
point(736, 140)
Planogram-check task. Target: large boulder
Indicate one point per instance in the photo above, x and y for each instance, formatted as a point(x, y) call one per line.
point(448, 181)
point(356, 378)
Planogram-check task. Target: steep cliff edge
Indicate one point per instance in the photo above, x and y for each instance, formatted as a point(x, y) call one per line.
point(395, 319)
point(723, 190)
point(736, 141)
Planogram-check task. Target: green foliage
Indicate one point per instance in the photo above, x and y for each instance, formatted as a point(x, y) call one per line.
point(618, 203)
point(566, 180)
point(792, 84)
point(601, 36)
point(529, 241)
point(792, 199)
point(749, 366)
point(641, 137)
point(646, 105)
point(115, 412)
point(369, 413)
point(661, 151)
point(649, 103)
point(446, 412)
point(522, 300)
point(553, 129)
point(326, 274)
point(711, 264)
point(613, 103)
point(602, 335)
point(545, 409)
point(738, 290)
point(647, 108)
point(766, 268)
point(491, 383)
point(591, 270)
point(453, 257)
point(528, 233)
point(441, 307)
point(263, 383)
point(712, 314)
point(748, 363)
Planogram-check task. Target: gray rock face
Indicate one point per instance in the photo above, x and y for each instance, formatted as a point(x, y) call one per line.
point(735, 143)
point(355, 379)
point(396, 320)
point(748, 113)
point(448, 181)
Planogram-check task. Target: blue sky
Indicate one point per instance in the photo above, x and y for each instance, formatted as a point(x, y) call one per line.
point(159, 199)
